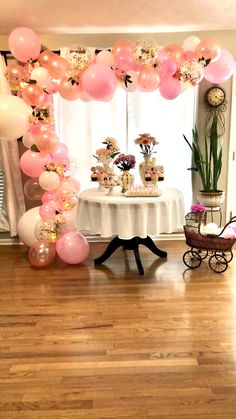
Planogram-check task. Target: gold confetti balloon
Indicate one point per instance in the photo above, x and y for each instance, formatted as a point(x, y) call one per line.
point(79, 57)
point(47, 231)
point(191, 72)
point(146, 51)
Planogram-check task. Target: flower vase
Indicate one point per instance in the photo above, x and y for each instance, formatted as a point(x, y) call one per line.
point(126, 180)
point(148, 171)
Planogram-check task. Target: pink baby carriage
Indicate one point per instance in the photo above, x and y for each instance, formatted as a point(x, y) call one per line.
point(218, 249)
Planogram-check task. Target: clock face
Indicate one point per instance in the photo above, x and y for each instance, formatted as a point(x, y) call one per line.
point(215, 96)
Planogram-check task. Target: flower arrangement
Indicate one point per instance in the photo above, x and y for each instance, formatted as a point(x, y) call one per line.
point(125, 162)
point(146, 143)
point(108, 153)
point(198, 208)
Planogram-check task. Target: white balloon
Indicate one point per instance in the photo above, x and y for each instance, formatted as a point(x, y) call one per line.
point(41, 75)
point(26, 226)
point(28, 140)
point(14, 117)
point(190, 43)
point(49, 180)
point(70, 221)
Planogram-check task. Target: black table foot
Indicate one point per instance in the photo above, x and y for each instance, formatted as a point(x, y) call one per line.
point(131, 244)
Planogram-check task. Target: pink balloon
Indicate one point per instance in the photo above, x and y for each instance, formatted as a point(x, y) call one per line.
point(35, 129)
point(52, 87)
point(33, 95)
point(99, 82)
point(131, 83)
point(170, 88)
point(162, 55)
point(168, 68)
point(60, 152)
point(41, 254)
point(24, 44)
point(46, 100)
point(69, 90)
point(47, 141)
point(148, 79)
point(122, 45)
point(45, 58)
point(175, 52)
point(188, 55)
point(69, 183)
point(48, 210)
point(220, 70)
point(105, 57)
point(208, 49)
point(49, 196)
point(14, 75)
point(124, 60)
point(72, 247)
point(58, 67)
point(32, 163)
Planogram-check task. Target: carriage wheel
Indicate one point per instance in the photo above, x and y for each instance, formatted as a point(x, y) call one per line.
point(218, 263)
point(228, 255)
point(191, 259)
point(202, 253)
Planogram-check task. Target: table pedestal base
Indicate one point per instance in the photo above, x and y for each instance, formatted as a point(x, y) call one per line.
point(131, 244)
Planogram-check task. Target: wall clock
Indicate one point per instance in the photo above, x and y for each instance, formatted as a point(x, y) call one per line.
point(215, 96)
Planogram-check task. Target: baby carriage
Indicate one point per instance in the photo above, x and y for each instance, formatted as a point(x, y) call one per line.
point(218, 249)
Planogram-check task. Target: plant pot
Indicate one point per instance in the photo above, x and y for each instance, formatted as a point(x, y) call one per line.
point(211, 199)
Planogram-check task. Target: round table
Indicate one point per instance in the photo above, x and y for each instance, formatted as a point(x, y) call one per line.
point(130, 219)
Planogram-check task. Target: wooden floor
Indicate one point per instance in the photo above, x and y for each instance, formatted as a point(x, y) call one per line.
point(79, 342)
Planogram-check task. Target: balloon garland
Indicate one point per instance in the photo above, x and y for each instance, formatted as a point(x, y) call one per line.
point(85, 75)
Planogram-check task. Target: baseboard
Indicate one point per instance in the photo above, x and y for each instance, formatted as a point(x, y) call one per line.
point(10, 241)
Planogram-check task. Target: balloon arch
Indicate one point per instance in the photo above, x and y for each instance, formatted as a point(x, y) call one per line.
point(83, 74)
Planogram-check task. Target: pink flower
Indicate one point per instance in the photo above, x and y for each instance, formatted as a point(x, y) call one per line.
point(198, 208)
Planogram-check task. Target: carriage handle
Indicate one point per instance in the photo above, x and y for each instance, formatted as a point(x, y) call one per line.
point(232, 220)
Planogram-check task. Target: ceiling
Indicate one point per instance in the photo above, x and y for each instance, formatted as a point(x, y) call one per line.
point(103, 16)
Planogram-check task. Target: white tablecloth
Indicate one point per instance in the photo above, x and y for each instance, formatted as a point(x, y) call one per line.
point(127, 217)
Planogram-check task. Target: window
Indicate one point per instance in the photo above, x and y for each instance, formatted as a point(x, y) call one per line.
point(83, 126)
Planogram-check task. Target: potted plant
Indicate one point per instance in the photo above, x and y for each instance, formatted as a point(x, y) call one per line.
point(208, 163)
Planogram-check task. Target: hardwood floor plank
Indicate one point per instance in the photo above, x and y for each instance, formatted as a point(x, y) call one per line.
point(103, 342)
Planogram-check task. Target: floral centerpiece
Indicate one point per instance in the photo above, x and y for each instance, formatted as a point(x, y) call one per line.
point(148, 168)
point(125, 163)
point(106, 154)
point(146, 143)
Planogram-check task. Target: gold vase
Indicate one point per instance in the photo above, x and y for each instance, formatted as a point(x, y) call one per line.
point(126, 180)
point(148, 170)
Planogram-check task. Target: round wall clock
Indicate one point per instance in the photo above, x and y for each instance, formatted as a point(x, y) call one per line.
point(215, 96)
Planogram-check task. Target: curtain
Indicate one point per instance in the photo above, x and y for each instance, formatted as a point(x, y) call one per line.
point(83, 126)
point(14, 203)
point(167, 120)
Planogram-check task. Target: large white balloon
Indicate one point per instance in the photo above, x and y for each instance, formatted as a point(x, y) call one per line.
point(14, 117)
point(26, 226)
